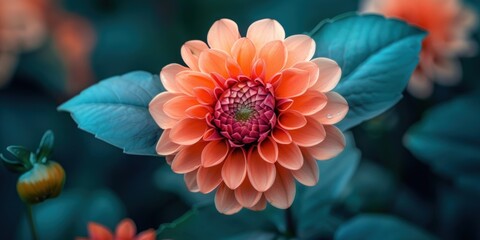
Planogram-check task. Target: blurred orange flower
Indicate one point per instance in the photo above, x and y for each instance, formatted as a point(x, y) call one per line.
point(249, 115)
point(449, 24)
point(126, 230)
point(25, 25)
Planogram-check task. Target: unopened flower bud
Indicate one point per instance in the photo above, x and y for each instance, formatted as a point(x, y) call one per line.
point(41, 182)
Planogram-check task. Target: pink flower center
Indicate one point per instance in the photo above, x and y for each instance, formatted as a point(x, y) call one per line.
point(245, 113)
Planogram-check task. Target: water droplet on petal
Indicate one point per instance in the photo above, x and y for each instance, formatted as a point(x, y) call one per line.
point(329, 116)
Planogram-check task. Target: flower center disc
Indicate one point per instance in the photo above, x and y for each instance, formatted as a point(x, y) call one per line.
point(245, 113)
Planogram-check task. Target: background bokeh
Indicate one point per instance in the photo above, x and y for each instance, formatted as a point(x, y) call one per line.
point(105, 185)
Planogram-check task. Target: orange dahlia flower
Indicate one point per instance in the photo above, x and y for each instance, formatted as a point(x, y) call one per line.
point(126, 230)
point(448, 23)
point(249, 115)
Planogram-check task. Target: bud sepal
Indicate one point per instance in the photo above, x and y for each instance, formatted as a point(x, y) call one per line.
point(40, 178)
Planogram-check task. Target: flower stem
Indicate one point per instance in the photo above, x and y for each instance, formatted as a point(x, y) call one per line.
point(290, 223)
point(31, 222)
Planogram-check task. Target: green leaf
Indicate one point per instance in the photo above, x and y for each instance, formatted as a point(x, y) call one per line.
point(205, 222)
point(21, 153)
point(384, 227)
point(377, 57)
point(12, 165)
point(312, 206)
point(447, 139)
point(46, 146)
point(116, 111)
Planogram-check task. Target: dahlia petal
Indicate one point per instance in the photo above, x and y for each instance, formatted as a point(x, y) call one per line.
point(290, 120)
point(149, 234)
point(190, 179)
point(300, 48)
point(290, 156)
point(204, 95)
point(263, 31)
point(308, 173)
point(309, 103)
point(260, 173)
point(235, 168)
point(198, 111)
point(188, 80)
point(243, 51)
point(275, 56)
point(97, 231)
point(215, 153)
point(155, 107)
point(294, 83)
point(275, 78)
point(225, 201)
point(284, 104)
point(312, 69)
point(461, 46)
point(448, 71)
point(176, 107)
point(212, 135)
point(223, 34)
point(188, 159)
point(234, 70)
point(329, 74)
point(334, 111)
point(311, 134)
point(165, 146)
point(209, 178)
point(468, 18)
point(213, 61)
point(196, 129)
point(261, 204)
point(333, 144)
point(420, 86)
point(258, 70)
point(268, 150)
point(282, 192)
point(126, 229)
point(167, 76)
point(281, 136)
point(191, 51)
point(169, 159)
point(246, 195)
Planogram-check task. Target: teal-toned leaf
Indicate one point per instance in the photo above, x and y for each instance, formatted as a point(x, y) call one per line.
point(384, 227)
point(21, 153)
point(116, 111)
point(205, 222)
point(312, 206)
point(67, 216)
point(447, 139)
point(12, 165)
point(372, 188)
point(46, 146)
point(377, 57)
point(259, 235)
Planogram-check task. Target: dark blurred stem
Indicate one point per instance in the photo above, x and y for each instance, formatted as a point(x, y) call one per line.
point(31, 222)
point(290, 223)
